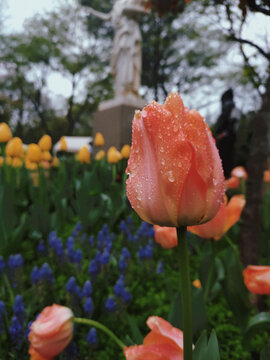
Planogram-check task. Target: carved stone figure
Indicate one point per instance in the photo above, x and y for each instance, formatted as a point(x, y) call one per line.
point(126, 60)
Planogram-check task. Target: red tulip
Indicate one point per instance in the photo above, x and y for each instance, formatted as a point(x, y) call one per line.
point(51, 332)
point(164, 342)
point(226, 217)
point(257, 279)
point(166, 236)
point(175, 173)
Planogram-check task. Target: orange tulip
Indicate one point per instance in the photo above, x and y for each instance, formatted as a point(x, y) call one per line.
point(1, 161)
point(45, 143)
point(5, 133)
point(14, 147)
point(175, 173)
point(164, 342)
point(51, 332)
point(99, 139)
point(113, 155)
point(240, 172)
point(84, 155)
point(257, 279)
point(30, 165)
point(125, 151)
point(34, 153)
point(232, 183)
point(166, 236)
point(100, 155)
point(63, 144)
point(226, 217)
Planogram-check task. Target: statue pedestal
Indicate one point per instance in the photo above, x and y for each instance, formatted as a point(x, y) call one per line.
point(114, 120)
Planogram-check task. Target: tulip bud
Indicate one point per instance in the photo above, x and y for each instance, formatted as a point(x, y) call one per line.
point(100, 155)
point(99, 139)
point(175, 173)
point(51, 332)
point(14, 147)
point(113, 155)
point(5, 133)
point(45, 143)
point(34, 153)
point(125, 151)
point(63, 144)
point(84, 155)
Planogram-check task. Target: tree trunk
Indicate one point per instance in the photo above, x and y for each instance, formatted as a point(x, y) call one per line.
point(251, 225)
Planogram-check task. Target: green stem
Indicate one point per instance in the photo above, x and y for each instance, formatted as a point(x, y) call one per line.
point(185, 291)
point(102, 328)
point(211, 271)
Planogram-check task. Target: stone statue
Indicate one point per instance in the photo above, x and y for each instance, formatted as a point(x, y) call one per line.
point(126, 60)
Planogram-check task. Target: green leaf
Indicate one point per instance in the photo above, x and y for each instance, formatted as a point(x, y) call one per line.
point(199, 319)
point(257, 323)
point(234, 288)
point(204, 351)
point(136, 334)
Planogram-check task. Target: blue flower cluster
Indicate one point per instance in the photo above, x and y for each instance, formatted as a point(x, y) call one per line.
point(43, 273)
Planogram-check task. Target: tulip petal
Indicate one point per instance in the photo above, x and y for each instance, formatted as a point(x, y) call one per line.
point(257, 279)
point(153, 352)
point(194, 192)
point(166, 236)
point(234, 211)
point(165, 329)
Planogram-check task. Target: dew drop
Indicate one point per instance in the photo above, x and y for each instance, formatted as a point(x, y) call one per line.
point(171, 176)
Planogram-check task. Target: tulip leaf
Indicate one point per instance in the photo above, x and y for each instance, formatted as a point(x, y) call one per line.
point(234, 289)
point(199, 318)
point(204, 350)
point(257, 323)
point(136, 333)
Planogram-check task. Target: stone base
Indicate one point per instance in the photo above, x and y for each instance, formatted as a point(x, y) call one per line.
point(114, 120)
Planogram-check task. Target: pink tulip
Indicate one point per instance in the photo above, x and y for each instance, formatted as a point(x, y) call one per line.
point(164, 342)
point(175, 173)
point(51, 332)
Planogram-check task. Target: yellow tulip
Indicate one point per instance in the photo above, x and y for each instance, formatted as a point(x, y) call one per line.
point(113, 155)
point(84, 155)
point(16, 162)
point(14, 147)
point(1, 160)
point(100, 155)
point(34, 153)
point(46, 155)
point(125, 151)
point(99, 139)
point(45, 143)
point(9, 160)
point(30, 165)
point(63, 144)
point(55, 162)
point(5, 133)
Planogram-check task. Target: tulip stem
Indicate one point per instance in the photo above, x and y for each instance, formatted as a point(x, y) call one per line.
point(101, 327)
point(185, 290)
